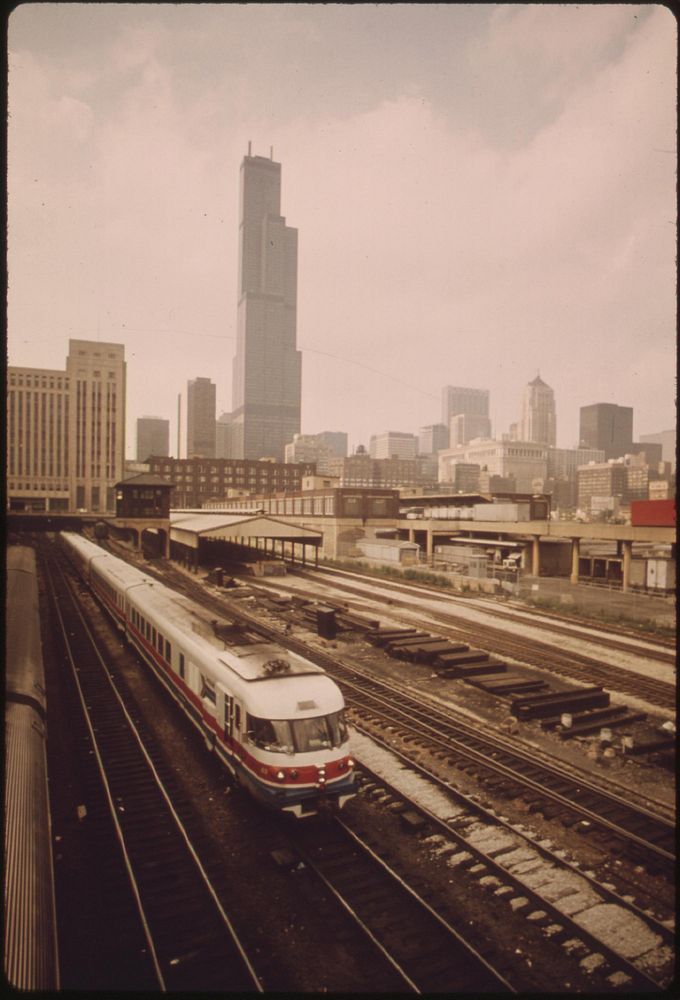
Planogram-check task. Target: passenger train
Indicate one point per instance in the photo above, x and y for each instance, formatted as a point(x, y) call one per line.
point(31, 959)
point(273, 718)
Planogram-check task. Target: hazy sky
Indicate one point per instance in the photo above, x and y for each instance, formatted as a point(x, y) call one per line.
point(481, 192)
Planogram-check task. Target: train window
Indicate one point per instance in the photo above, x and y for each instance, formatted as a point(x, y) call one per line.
point(153, 636)
point(168, 651)
point(338, 728)
point(208, 689)
point(311, 734)
point(270, 734)
point(181, 664)
point(237, 716)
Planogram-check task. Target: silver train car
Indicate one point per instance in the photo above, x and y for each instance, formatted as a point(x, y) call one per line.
point(31, 950)
point(274, 719)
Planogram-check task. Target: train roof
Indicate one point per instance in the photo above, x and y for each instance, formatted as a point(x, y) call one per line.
point(24, 673)
point(295, 697)
point(280, 684)
point(266, 661)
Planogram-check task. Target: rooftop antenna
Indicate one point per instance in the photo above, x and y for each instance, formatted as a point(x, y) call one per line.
point(249, 147)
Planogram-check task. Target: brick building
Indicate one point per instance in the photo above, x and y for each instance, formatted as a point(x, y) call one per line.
point(197, 480)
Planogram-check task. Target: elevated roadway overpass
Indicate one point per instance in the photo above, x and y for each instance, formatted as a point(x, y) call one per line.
point(533, 531)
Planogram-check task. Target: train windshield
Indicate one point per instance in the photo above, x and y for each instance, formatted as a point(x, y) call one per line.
point(299, 735)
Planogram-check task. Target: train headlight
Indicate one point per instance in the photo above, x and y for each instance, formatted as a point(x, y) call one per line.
point(322, 779)
point(280, 775)
point(350, 762)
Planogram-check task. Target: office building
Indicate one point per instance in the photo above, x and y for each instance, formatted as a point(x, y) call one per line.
point(224, 445)
point(465, 427)
point(309, 448)
point(539, 422)
point(199, 480)
point(465, 477)
point(153, 437)
point(459, 399)
point(432, 439)
point(562, 473)
point(267, 368)
point(523, 462)
point(601, 486)
point(393, 444)
point(607, 426)
point(201, 406)
point(66, 431)
point(336, 441)
point(563, 463)
point(667, 440)
point(361, 470)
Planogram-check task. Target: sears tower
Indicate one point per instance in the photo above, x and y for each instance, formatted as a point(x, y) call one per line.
point(267, 365)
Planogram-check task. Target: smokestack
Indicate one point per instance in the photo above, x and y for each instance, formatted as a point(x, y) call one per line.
point(179, 420)
point(271, 152)
point(249, 146)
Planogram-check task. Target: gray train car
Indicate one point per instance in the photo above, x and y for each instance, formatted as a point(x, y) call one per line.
point(31, 953)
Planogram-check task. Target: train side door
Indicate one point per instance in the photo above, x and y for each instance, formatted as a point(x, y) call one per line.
point(225, 712)
point(238, 727)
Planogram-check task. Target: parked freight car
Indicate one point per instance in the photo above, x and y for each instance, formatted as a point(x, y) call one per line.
point(652, 513)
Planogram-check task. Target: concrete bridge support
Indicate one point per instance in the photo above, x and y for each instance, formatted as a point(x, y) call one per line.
point(575, 555)
point(627, 554)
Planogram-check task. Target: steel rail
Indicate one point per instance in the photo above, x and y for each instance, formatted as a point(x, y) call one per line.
point(105, 783)
point(341, 673)
point(451, 743)
point(532, 650)
point(161, 787)
point(451, 597)
point(490, 974)
point(493, 819)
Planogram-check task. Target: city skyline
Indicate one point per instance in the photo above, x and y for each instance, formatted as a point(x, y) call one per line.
point(461, 221)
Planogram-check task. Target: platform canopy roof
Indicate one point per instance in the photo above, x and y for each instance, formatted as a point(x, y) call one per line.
point(188, 528)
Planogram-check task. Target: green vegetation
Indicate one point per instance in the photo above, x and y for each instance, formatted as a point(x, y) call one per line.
point(392, 572)
point(601, 615)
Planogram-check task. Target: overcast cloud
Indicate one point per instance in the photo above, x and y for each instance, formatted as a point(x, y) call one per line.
point(481, 193)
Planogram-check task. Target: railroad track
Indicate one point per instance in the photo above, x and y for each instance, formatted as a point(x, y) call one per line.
point(532, 652)
point(498, 861)
point(163, 903)
point(513, 772)
point(624, 828)
point(425, 950)
point(560, 622)
point(399, 961)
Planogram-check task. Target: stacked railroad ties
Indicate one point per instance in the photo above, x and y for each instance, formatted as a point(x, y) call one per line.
point(575, 711)
point(587, 708)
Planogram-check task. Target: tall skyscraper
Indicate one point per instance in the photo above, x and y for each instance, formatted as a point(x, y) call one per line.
point(607, 426)
point(153, 438)
point(473, 405)
point(458, 399)
point(66, 430)
point(267, 369)
point(201, 404)
point(539, 422)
